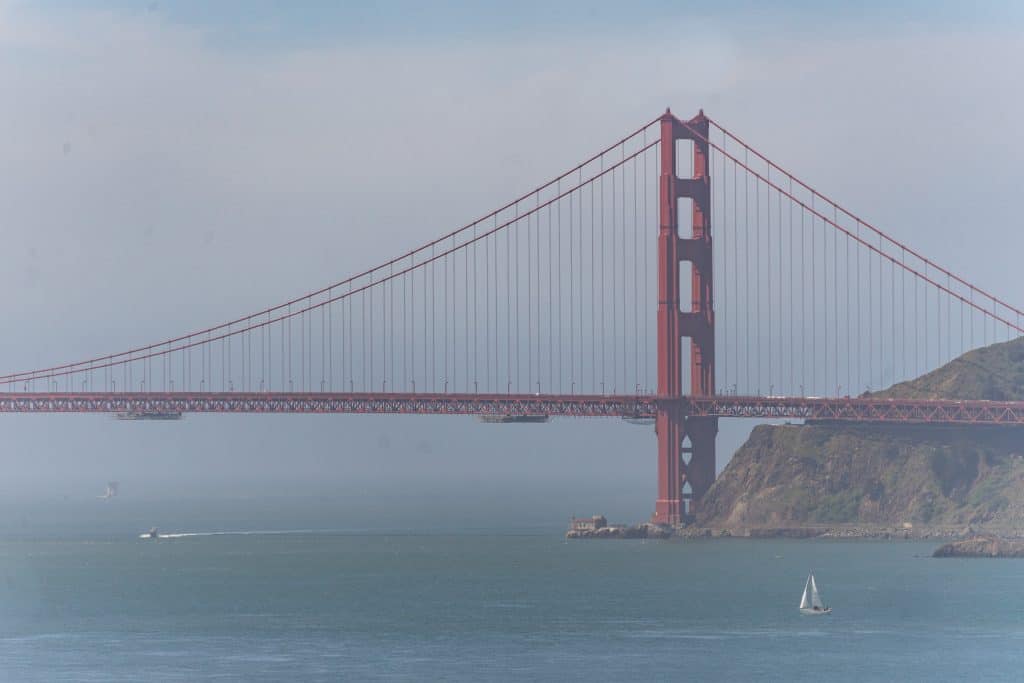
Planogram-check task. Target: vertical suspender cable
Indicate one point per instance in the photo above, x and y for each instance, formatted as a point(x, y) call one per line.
point(593, 295)
point(647, 279)
point(792, 302)
point(323, 348)
point(487, 307)
point(330, 337)
point(803, 302)
point(579, 233)
point(530, 348)
point(903, 314)
point(536, 243)
point(757, 281)
point(497, 287)
point(365, 353)
point(476, 319)
point(835, 295)
point(551, 308)
point(614, 311)
point(814, 308)
point(860, 376)
point(625, 383)
point(871, 319)
point(572, 298)
point(603, 284)
point(560, 319)
point(636, 303)
point(850, 282)
point(309, 342)
point(780, 309)
point(892, 314)
point(433, 319)
point(882, 356)
point(768, 284)
point(949, 319)
point(508, 309)
point(747, 304)
point(725, 270)
point(736, 276)
point(518, 339)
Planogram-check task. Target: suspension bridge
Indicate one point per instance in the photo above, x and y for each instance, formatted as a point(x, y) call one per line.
point(678, 275)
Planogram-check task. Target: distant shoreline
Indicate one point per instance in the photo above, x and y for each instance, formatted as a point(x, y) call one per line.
point(819, 531)
point(846, 531)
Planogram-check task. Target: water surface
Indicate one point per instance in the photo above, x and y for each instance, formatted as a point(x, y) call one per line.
point(359, 606)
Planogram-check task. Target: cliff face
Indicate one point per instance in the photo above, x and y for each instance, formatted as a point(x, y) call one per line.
point(885, 475)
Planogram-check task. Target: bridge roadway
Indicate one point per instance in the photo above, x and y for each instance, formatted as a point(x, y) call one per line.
point(764, 407)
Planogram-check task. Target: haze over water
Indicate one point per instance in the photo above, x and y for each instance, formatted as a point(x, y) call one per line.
point(509, 605)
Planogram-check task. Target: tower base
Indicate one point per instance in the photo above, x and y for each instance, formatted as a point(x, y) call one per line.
point(686, 465)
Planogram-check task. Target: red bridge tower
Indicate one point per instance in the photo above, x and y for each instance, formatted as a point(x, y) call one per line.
point(686, 445)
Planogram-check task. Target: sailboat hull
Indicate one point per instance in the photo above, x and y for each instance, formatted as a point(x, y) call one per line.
point(815, 612)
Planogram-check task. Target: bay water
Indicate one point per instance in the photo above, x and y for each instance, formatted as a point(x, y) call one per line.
point(502, 604)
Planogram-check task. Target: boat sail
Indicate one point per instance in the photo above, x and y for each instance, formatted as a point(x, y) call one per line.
point(811, 603)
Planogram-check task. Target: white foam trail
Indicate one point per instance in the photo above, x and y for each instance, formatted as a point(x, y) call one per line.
point(193, 534)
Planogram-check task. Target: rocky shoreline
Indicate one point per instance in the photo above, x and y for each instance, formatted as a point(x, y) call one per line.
point(618, 531)
point(966, 542)
point(982, 546)
point(831, 531)
point(917, 533)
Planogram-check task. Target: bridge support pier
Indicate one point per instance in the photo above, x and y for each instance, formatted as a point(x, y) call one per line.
point(699, 463)
point(686, 464)
point(668, 508)
point(686, 446)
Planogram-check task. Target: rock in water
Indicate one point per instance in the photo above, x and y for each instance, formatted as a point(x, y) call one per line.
point(982, 546)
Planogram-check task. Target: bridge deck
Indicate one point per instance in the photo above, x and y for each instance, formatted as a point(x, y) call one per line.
point(728, 406)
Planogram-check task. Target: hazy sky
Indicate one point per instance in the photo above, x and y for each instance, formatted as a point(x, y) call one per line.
point(166, 165)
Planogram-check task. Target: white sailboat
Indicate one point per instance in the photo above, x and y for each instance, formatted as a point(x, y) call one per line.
point(811, 603)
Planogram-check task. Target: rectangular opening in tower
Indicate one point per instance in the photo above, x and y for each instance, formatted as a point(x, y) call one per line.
point(684, 208)
point(685, 286)
point(684, 363)
point(684, 159)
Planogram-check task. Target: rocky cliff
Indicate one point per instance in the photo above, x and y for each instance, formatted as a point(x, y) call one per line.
point(894, 475)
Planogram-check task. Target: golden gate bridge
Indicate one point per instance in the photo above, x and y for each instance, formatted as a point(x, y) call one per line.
point(678, 274)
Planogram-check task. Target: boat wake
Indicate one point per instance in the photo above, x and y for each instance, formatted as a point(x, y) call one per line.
point(200, 534)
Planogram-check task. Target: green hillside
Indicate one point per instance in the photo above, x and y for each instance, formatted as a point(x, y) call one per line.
point(795, 475)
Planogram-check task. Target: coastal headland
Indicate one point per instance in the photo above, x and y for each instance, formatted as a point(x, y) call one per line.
point(849, 480)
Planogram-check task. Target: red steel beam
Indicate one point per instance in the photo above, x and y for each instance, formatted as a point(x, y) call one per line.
point(382, 403)
point(860, 409)
point(669, 422)
point(877, 410)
